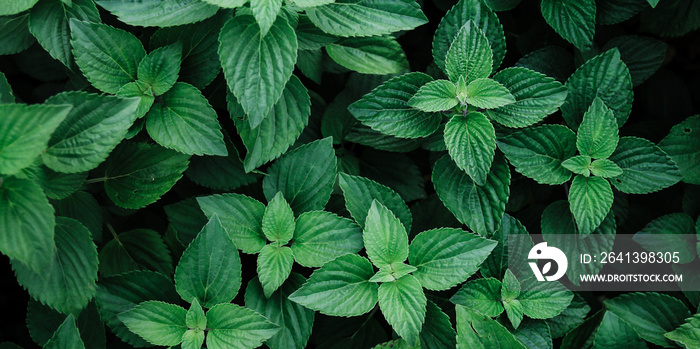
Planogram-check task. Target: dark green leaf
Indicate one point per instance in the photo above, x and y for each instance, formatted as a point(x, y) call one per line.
point(645, 167)
point(369, 55)
point(573, 20)
point(366, 17)
point(471, 143)
point(158, 13)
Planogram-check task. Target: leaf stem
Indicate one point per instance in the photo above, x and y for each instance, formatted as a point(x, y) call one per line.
point(96, 180)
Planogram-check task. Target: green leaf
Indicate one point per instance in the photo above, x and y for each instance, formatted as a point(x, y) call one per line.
point(682, 144)
point(138, 174)
point(138, 249)
point(305, 176)
point(642, 55)
point(90, 131)
point(295, 320)
point(650, 315)
point(49, 23)
point(386, 108)
point(146, 99)
point(123, 292)
point(27, 222)
point(367, 17)
point(187, 219)
point(16, 6)
point(570, 318)
point(604, 76)
point(511, 287)
point(446, 257)
point(159, 13)
point(437, 331)
point(384, 236)
point(687, 334)
point(57, 185)
point(479, 207)
point(403, 305)
point(210, 268)
point(538, 152)
point(107, 56)
point(514, 311)
point(534, 334)
point(645, 167)
point(435, 96)
point(311, 3)
point(240, 216)
point(615, 333)
point(456, 18)
point(25, 132)
point(310, 36)
point(470, 55)
point(369, 55)
point(543, 300)
point(591, 199)
point(320, 237)
point(554, 61)
point(274, 266)
point(597, 135)
point(481, 295)
point(160, 68)
point(579, 164)
point(497, 262)
point(573, 20)
point(678, 231)
point(392, 272)
point(280, 128)
point(227, 3)
point(605, 168)
point(536, 96)
point(360, 192)
point(68, 284)
point(232, 326)
point(66, 336)
point(471, 143)
point(487, 93)
point(257, 73)
point(82, 207)
point(192, 339)
point(157, 322)
point(278, 220)
point(221, 173)
point(265, 12)
point(475, 330)
point(340, 288)
point(195, 318)
point(6, 95)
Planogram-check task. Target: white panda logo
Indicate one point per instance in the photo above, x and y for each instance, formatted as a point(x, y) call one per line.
point(552, 255)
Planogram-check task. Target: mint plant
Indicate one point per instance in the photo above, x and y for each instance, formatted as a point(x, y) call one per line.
point(342, 173)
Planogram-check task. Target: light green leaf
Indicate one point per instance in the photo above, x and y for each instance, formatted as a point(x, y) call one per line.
point(536, 96)
point(258, 72)
point(573, 20)
point(157, 322)
point(597, 135)
point(538, 152)
point(514, 311)
point(280, 128)
point(673, 232)
point(241, 217)
point(66, 336)
point(475, 330)
point(107, 56)
point(145, 94)
point(605, 168)
point(650, 315)
point(604, 76)
point(210, 268)
point(470, 55)
point(91, 130)
point(369, 55)
point(25, 132)
point(446, 257)
point(392, 272)
point(579, 164)
point(295, 320)
point(68, 284)
point(471, 143)
point(359, 192)
point(645, 167)
point(591, 199)
point(481, 295)
point(138, 174)
point(340, 288)
point(27, 222)
point(642, 55)
point(160, 68)
point(613, 333)
point(16, 6)
point(274, 266)
point(138, 249)
point(386, 108)
point(321, 236)
point(682, 144)
point(384, 236)
point(227, 3)
point(311, 3)
point(192, 339)
point(367, 17)
point(479, 207)
point(278, 220)
point(543, 300)
point(232, 326)
point(159, 13)
point(487, 93)
point(403, 305)
point(195, 318)
point(687, 334)
point(305, 176)
point(265, 12)
point(456, 18)
point(48, 22)
point(511, 287)
point(435, 96)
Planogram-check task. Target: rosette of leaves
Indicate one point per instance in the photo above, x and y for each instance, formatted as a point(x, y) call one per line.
point(350, 285)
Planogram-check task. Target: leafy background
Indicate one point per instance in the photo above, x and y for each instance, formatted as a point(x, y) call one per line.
point(140, 141)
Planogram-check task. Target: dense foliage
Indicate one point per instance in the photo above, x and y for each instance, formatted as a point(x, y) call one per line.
point(338, 173)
